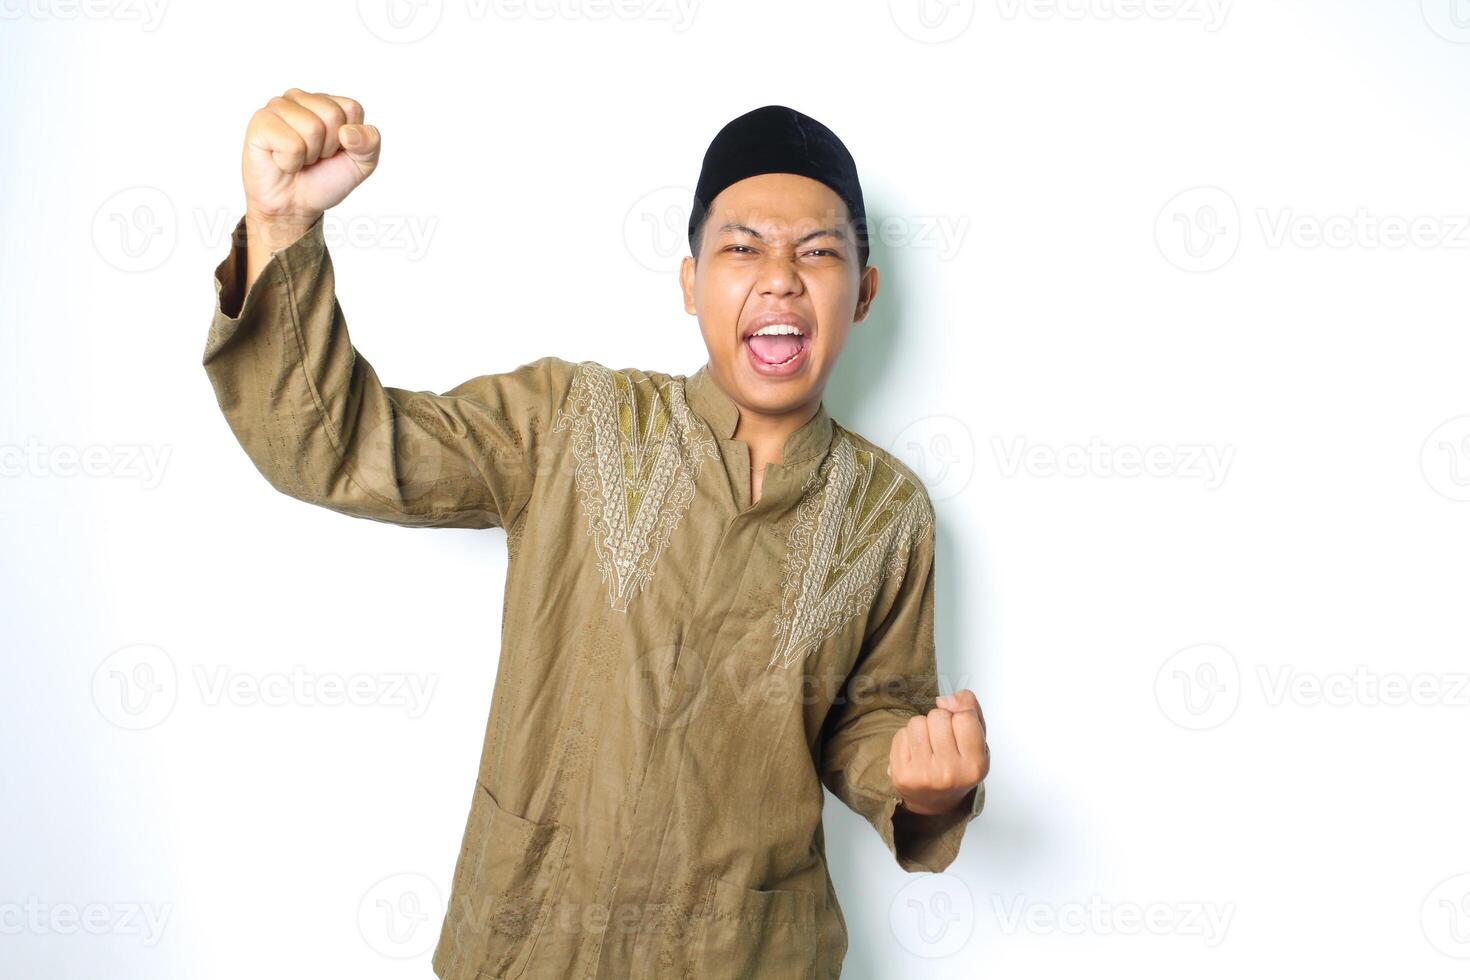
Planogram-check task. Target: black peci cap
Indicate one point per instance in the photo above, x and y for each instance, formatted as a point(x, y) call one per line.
point(778, 139)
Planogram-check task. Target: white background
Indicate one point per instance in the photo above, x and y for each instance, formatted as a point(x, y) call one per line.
point(1227, 700)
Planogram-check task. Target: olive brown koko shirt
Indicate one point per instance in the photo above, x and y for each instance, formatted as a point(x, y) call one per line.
point(681, 670)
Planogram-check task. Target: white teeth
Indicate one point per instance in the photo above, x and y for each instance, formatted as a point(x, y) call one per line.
point(777, 329)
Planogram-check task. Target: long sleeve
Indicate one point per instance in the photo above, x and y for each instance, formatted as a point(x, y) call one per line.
point(311, 414)
point(894, 679)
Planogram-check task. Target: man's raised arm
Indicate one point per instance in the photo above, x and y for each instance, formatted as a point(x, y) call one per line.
point(307, 408)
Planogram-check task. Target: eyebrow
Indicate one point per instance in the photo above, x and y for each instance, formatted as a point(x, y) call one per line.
point(819, 233)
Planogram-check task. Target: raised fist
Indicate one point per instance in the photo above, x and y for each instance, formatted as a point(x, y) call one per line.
point(304, 153)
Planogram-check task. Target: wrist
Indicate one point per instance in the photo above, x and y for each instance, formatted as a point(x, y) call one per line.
point(935, 806)
point(273, 232)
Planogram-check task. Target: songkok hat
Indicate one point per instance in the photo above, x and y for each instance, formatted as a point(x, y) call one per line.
point(778, 139)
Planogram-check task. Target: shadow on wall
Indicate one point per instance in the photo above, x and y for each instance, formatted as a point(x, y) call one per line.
point(1001, 843)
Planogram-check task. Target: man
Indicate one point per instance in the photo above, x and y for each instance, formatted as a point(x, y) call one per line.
point(718, 598)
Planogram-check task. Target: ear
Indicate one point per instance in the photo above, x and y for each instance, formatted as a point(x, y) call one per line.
point(686, 283)
point(867, 292)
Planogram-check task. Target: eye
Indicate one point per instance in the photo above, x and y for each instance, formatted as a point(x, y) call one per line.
point(733, 247)
point(826, 251)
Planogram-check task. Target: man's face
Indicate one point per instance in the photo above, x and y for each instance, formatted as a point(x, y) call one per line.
point(776, 247)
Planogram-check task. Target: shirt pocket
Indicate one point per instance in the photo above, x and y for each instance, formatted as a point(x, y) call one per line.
point(748, 933)
point(505, 883)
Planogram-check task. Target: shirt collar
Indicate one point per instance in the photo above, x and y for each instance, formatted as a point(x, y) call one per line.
point(721, 413)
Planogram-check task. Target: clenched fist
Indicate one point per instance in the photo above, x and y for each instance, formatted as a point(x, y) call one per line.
point(939, 757)
point(304, 153)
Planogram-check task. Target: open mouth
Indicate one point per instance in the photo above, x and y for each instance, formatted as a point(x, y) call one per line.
point(775, 350)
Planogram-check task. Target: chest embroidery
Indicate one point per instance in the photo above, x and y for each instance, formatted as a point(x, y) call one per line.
point(853, 528)
point(638, 449)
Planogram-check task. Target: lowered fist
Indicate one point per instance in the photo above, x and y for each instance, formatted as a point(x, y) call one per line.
point(938, 758)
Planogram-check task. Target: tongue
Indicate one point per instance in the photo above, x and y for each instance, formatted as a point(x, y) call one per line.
point(773, 349)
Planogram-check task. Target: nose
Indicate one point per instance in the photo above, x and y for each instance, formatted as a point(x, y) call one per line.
point(778, 276)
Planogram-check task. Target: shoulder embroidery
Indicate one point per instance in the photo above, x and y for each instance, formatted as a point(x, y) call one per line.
point(856, 522)
point(638, 448)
